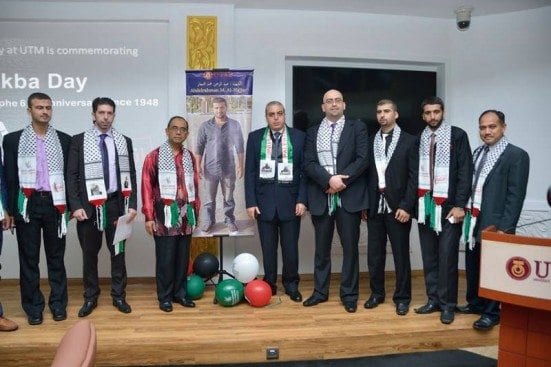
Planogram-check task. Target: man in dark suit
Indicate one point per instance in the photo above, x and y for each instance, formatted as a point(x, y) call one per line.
point(100, 160)
point(392, 185)
point(445, 168)
point(275, 195)
point(5, 323)
point(498, 191)
point(335, 160)
point(35, 161)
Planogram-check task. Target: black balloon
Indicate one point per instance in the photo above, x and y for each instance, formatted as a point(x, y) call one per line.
point(205, 265)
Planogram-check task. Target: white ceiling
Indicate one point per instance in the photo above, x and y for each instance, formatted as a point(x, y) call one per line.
point(421, 8)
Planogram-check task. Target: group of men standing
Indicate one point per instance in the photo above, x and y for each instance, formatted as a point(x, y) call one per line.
point(335, 170)
point(51, 177)
point(343, 175)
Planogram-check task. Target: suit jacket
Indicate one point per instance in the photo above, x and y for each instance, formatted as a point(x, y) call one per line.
point(460, 174)
point(504, 191)
point(352, 160)
point(76, 183)
point(401, 175)
point(11, 169)
point(274, 197)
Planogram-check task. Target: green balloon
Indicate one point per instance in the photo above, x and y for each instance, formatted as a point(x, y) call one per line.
point(195, 287)
point(229, 292)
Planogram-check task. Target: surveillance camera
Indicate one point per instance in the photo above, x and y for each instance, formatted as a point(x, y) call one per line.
point(463, 17)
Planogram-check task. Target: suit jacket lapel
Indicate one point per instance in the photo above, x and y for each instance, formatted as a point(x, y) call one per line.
point(345, 137)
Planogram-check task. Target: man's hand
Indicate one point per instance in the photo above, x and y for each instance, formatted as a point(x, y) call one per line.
point(253, 211)
point(150, 227)
point(80, 215)
point(300, 209)
point(402, 216)
point(336, 183)
point(132, 213)
point(239, 171)
point(365, 215)
point(457, 213)
point(7, 223)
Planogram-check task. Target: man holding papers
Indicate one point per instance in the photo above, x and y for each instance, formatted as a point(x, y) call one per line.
point(101, 186)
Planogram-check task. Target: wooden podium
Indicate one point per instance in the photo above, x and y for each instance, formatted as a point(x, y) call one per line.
point(516, 271)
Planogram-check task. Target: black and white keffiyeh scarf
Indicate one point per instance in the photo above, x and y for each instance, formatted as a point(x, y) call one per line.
point(27, 170)
point(93, 171)
point(430, 203)
point(168, 186)
point(382, 159)
point(475, 201)
point(327, 144)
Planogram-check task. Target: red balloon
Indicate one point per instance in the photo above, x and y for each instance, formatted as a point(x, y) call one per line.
point(258, 293)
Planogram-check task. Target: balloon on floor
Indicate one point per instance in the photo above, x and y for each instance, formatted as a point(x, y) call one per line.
point(229, 292)
point(195, 287)
point(245, 267)
point(258, 293)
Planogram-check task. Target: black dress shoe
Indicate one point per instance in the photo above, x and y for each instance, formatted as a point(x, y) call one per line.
point(59, 315)
point(87, 308)
point(428, 308)
point(374, 301)
point(35, 319)
point(122, 306)
point(468, 309)
point(185, 302)
point(402, 308)
point(165, 306)
point(447, 317)
point(294, 295)
point(313, 300)
point(350, 306)
point(484, 323)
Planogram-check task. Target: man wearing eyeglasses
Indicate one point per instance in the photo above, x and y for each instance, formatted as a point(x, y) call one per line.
point(170, 198)
point(335, 158)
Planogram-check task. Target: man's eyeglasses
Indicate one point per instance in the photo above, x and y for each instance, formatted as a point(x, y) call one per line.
point(331, 100)
point(177, 129)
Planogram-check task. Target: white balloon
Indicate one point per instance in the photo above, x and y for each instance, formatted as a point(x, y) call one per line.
point(245, 267)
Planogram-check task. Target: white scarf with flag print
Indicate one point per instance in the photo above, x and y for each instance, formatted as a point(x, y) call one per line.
point(430, 203)
point(327, 145)
point(168, 187)
point(382, 159)
point(27, 170)
point(93, 172)
point(475, 201)
point(267, 170)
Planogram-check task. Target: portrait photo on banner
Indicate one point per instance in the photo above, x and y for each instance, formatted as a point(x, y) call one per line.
point(219, 110)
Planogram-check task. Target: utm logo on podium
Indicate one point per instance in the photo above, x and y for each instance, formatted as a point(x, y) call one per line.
point(518, 268)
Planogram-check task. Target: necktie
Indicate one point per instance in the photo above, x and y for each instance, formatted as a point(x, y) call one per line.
point(277, 146)
point(388, 139)
point(104, 159)
point(432, 153)
point(480, 166)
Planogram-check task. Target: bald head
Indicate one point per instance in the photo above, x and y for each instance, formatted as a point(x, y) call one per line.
point(333, 105)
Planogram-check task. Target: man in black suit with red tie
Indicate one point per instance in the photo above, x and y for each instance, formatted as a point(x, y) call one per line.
point(392, 185)
point(275, 195)
point(335, 160)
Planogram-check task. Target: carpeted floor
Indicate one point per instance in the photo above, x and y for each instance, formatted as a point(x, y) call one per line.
point(444, 358)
